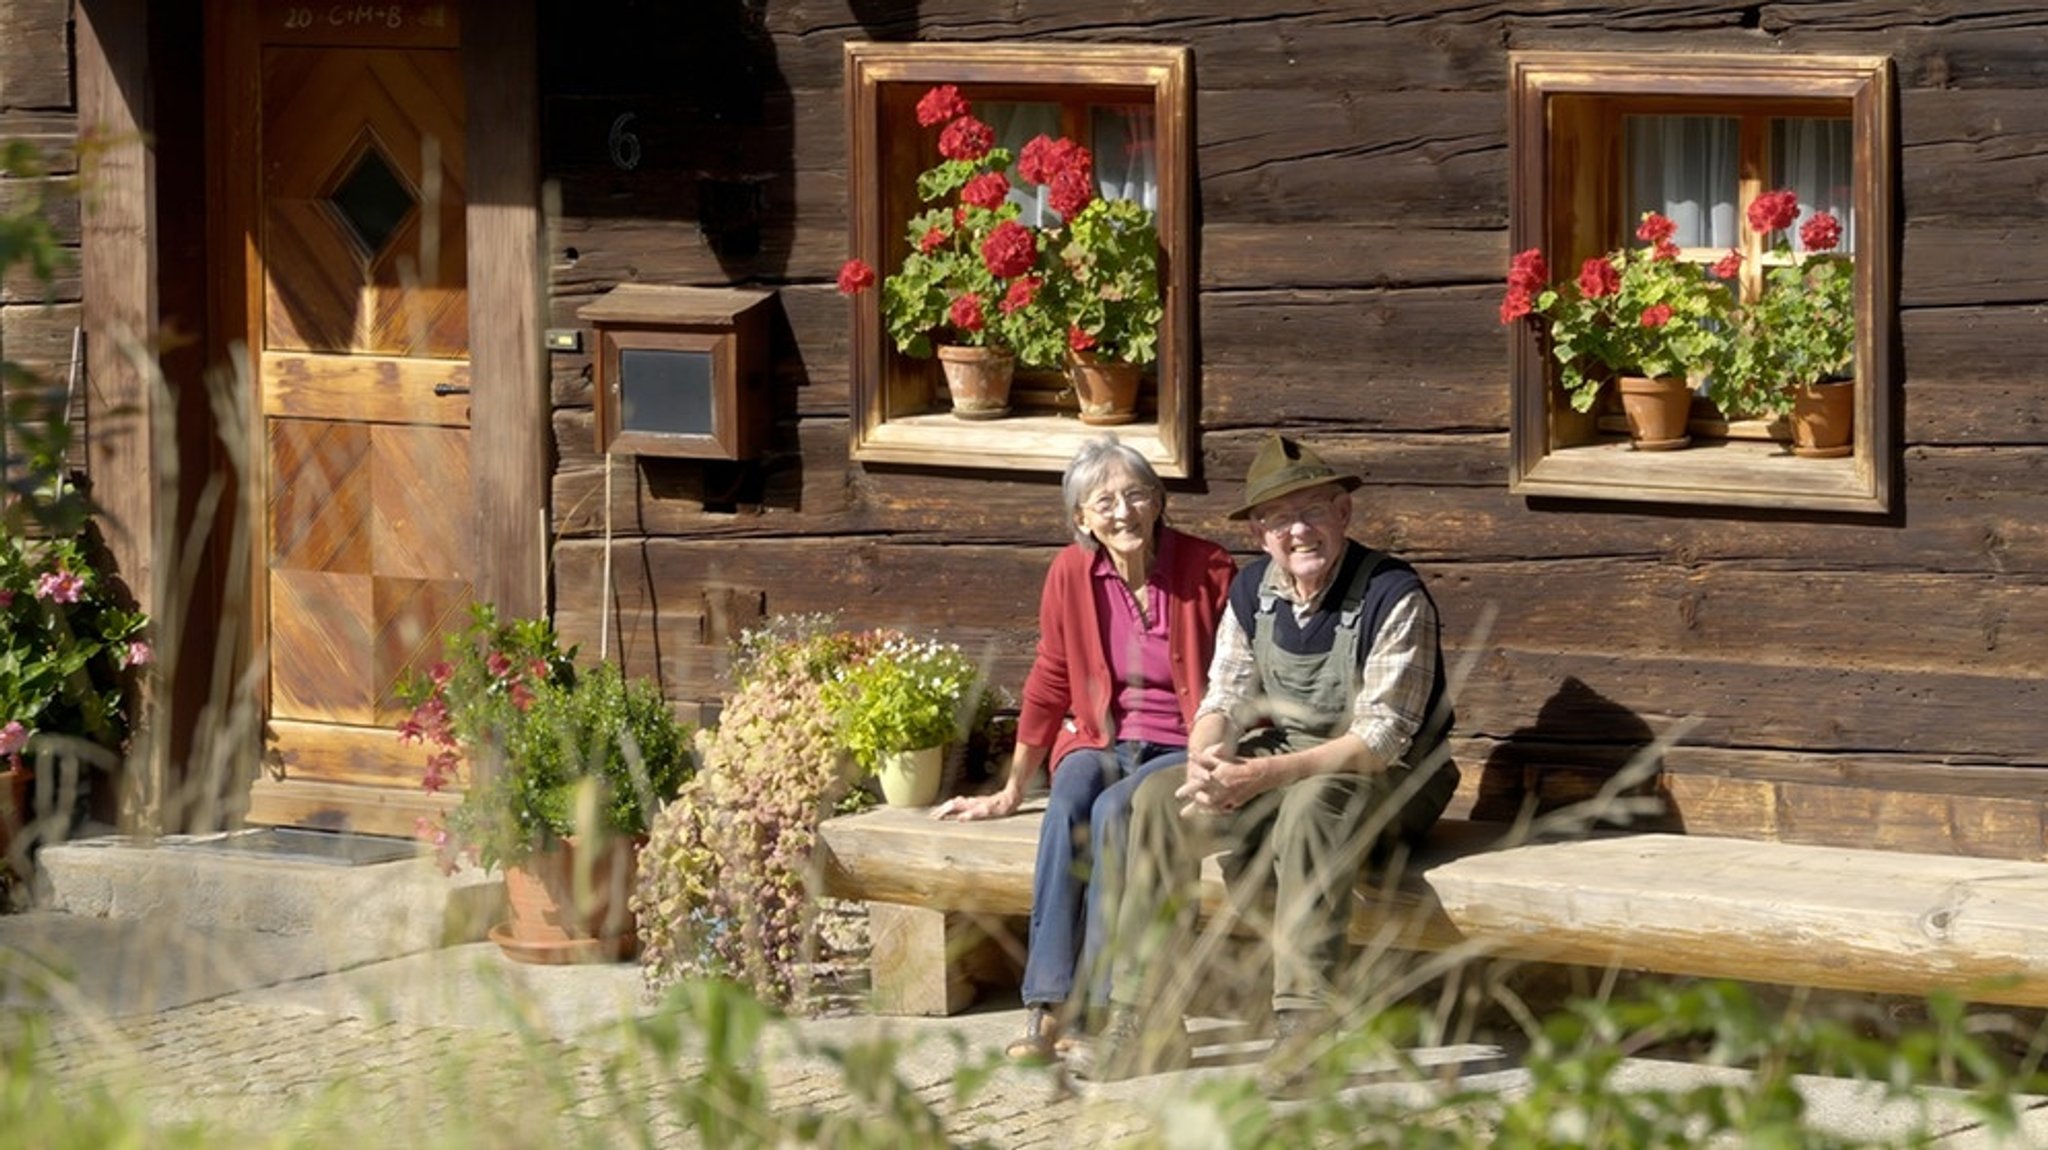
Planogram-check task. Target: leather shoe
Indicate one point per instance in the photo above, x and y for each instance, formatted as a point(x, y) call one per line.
point(1129, 1047)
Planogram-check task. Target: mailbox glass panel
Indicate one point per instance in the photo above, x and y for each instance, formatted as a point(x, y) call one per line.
point(666, 391)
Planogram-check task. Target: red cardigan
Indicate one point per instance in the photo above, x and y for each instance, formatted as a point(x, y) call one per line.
point(1066, 696)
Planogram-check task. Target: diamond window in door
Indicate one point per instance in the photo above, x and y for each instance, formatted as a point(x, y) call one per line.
point(372, 200)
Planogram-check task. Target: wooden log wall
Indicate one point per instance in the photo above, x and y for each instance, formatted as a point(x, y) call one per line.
point(1844, 680)
point(37, 108)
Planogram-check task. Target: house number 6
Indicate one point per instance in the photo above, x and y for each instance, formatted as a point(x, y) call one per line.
point(624, 144)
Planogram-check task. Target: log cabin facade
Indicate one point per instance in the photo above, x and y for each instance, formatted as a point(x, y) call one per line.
point(1836, 655)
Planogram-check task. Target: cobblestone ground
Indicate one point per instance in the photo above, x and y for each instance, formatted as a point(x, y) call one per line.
point(307, 1078)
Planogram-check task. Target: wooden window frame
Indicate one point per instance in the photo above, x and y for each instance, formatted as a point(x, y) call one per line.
point(1548, 206)
point(894, 419)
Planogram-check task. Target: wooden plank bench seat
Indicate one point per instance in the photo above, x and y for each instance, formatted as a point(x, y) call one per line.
point(1831, 917)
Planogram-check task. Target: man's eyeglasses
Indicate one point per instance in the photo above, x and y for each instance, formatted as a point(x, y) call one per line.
point(1318, 514)
point(1137, 499)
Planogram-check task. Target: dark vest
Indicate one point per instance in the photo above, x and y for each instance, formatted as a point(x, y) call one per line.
point(1367, 586)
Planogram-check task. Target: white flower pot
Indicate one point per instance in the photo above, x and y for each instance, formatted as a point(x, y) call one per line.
point(911, 778)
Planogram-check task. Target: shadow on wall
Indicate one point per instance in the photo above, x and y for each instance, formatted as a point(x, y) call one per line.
point(1587, 762)
point(677, 112)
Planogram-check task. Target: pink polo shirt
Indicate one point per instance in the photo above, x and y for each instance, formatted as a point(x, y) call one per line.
point(1142, 705)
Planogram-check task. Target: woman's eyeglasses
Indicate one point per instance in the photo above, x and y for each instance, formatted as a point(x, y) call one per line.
point(1137, 499)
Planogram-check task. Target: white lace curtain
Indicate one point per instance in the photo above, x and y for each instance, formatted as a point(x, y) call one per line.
point(1688, 168)
point(1121, 140)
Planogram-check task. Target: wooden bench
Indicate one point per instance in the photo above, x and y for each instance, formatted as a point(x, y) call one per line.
point(1829, 917)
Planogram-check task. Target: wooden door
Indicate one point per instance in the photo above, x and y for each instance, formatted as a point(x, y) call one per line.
point(358, 321)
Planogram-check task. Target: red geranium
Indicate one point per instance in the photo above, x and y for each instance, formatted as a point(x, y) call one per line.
point(939, 105)
point(987, 190)
point(855, 276)
point(1079, 340)
point(1728, 266)
point(1774, 211)
point(1821, 232)
point(1092, 270)
point(966, 139)
point(1631, 311)
point(966, 313)
point(1010, 250)
point(1598, 278)
point(1020, 295)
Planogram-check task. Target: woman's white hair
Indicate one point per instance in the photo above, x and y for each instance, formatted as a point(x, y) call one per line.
point(1095, 462)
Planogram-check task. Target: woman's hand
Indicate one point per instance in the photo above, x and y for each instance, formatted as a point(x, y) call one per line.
point(968, 808)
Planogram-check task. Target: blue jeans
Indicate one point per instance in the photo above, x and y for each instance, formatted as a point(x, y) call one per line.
point(1087, 818)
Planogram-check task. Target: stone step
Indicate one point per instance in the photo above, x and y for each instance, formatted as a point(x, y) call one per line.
point(260, 881)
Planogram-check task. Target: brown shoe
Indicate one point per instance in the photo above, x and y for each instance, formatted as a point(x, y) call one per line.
point(1041, 1036)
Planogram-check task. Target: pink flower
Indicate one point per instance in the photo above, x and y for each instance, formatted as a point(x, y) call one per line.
point(1598, 278)
point(521, 696)
point(966, 139)
point(1821, 232)
point(1728, 266)
point(855, 276)
point(13, 737)
point(59, 586)
point(939, 105)
point(966, 313)
point(1657, 315)
point(932, 241)
point(440, 673)
point(1656, 229)
point(1010, 250)
point(1079, 340)
point(1774, 211)
point(498, 664)
point(138, 654)
point(1665, 250)
point(986, 190)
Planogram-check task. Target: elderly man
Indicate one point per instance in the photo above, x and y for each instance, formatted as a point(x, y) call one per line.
point(1320, 742)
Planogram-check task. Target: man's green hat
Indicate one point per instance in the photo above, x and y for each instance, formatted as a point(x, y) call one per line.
point(1283, 467)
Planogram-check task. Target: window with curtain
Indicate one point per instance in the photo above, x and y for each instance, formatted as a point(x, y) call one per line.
point(1132, 107)
point(1597, 139)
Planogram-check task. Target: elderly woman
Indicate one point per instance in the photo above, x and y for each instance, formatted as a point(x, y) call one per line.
point(1126, 626)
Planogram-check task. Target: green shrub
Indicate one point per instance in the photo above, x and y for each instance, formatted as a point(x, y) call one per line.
point(507, 717)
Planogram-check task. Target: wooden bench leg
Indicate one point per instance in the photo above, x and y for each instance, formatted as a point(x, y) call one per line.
point(928, 961)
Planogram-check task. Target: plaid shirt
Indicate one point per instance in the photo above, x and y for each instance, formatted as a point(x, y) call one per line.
point(1393, 697)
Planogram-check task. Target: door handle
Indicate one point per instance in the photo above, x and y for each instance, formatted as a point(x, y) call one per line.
point(450, 389)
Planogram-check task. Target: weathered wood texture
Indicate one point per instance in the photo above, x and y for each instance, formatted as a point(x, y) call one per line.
point(1700, 904)
point(1853, 680)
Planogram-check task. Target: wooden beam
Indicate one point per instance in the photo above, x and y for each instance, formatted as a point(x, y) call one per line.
point(118, 232)
point(1866, 920)
point(509, 443)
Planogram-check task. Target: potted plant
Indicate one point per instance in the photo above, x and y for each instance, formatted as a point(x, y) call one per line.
point(897, 707)
point(70, 660)
point(561, 771)
point(1644, 318)
point(968, 286)
point(1101, 279)
point(1797, 339)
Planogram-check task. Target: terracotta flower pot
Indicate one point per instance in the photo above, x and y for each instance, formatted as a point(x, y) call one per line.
point(559, 916)
point(979, 380)
point(1657, 411)
point(1106, 388)
point(1824, 419)
point(15, 814)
